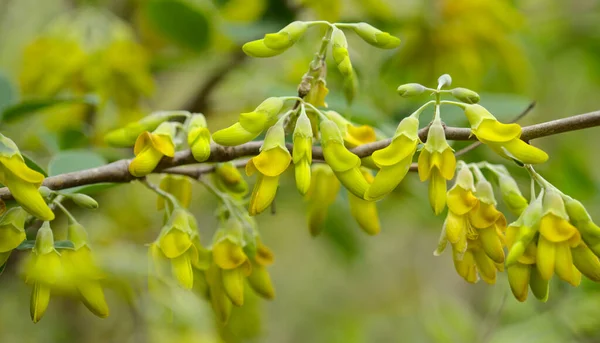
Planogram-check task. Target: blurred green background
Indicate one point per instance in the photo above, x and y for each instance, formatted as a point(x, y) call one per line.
point(71, 70)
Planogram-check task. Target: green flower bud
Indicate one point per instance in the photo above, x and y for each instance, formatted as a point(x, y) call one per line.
point(444, 81)
point(485, 192)
point(511, 195)
point(258, 49)
point(410, 89)
point(465, 95)
point(286, 37)
point(375, 36)
point(126, 136)
point(198, 138)
point(84, 201)
point(350, 88)
point(340, 54)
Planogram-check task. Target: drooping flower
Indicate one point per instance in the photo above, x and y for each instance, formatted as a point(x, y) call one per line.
point(323, 190)
point(395, 159)
point(12, 231)
point(179, 186)
point(81, 272)
point(504, 139)
point(302, 153)
point(259, 278)
point(179, 244)
point(475, 229)
point(273, 160)
point(344, 163)
point(150, 148)
point(228, 179)
point(437, 164)
point(43, 270)
point(365, 212)
point(127, 135)
point(22, 181)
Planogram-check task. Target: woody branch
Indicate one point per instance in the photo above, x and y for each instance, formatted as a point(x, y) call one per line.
point(117, 172)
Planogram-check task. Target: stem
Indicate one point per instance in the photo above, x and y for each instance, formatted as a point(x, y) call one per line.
point(171, 200)
point(222, 197)
point(65, 211)
point(319, 22)
point(419, 110)
point(321, 115)
point(455, 103)
point(478, 174)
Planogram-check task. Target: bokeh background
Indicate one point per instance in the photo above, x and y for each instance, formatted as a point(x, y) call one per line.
point(71, 70)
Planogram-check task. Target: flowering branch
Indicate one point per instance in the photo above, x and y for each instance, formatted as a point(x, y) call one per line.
point(117, 172)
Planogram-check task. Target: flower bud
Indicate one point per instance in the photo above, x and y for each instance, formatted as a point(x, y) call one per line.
point(586, 262)
point(260, 281)
point(465, 95)
point(302, 152)
point(286, 37)
point(365, 212)
point(375, 36)
point(84, 201)
point(350, 87)
point(518, 278)
point(228, 179)
point(258, 49)
point(323, 190)
point(444, 81)
point(198, 137)
point(511, 195)
point(340, 54)
point(250, 124)
point(539, 287)
point(410, 89)
point(126, 136)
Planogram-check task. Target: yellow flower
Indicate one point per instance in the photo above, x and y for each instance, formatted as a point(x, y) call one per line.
point(179, 186)
point(12, 231)
point(437, 164)
point(179, 243)
point(44, 271)
point(323, 190)
point(199, 137)
point(344, 164)
point(50, 64)
point(232, 261)
point(81, 272)
point(365, 212)
point(302, 152)
point(259, 279)
point(250, 124)
point(22, 181)
point(229, 180)
point(317, 94)
point(474, 228)
point(353, 135)
point(150, 148)
point(556, 238)
point(504, 139)
point(272, 161)
point(395, 159)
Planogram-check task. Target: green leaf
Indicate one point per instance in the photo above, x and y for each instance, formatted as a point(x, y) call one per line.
point(31, 164)
point(75, 160)
point(182, 21)
point(28, 107)
point(7, 92)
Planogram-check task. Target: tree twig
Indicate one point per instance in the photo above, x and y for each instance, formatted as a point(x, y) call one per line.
point(117, 172)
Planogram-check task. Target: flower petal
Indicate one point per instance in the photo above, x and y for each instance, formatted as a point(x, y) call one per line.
point(92, 296)
point(272, 162)
point(491, 130)
point(233, 284)
point(461, 201)
point(546, 257)
point(263, 193)
point(399, 149)
point(175, 243)
point(437, 192)
point(556, 229)
point(365, 214)
point(228, 255)
point(181, 267)
point(234, 135)
point(527, 154)
point(518, 278)
point(354, 181)
point(387, 179)
point(339, 158)
point(40, 298)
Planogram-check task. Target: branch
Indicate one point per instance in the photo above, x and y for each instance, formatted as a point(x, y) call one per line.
point(117, 172)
